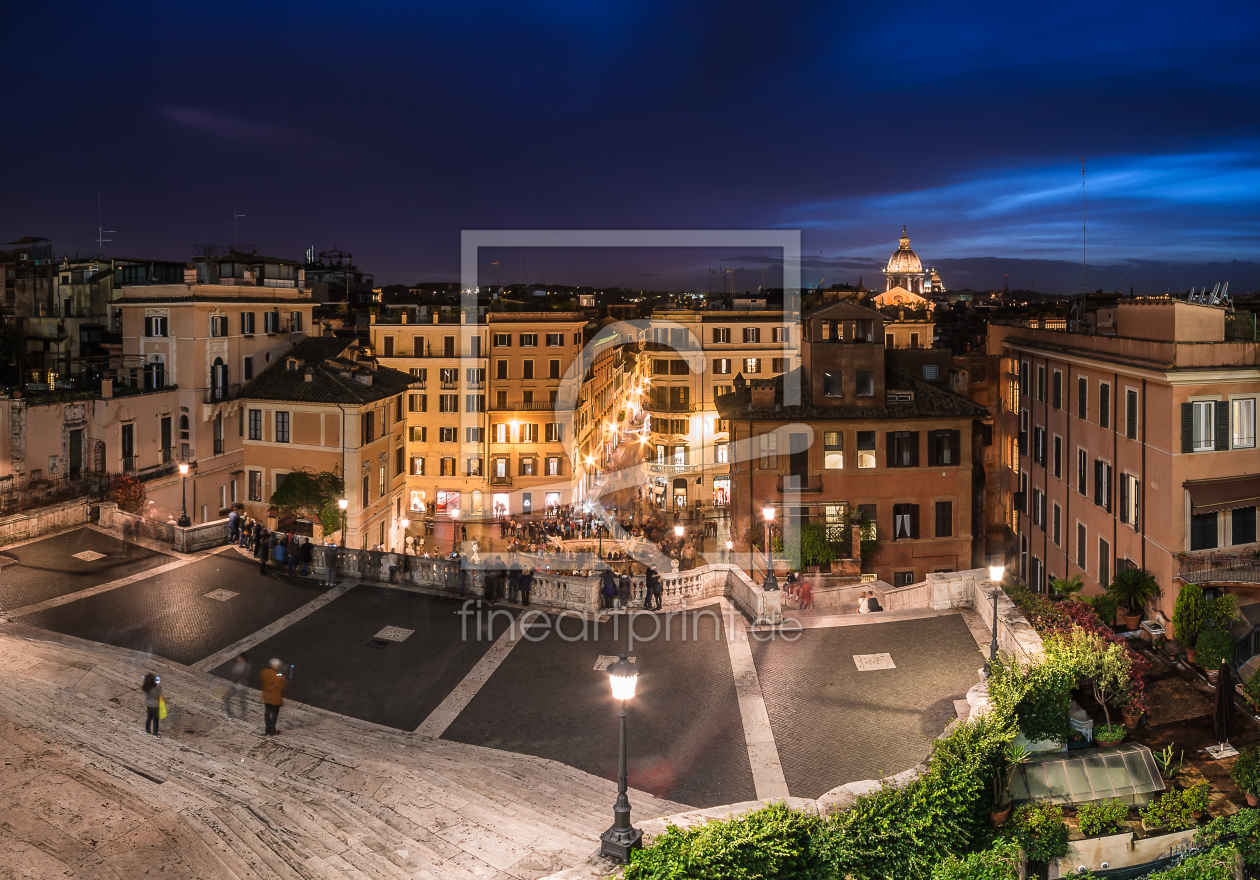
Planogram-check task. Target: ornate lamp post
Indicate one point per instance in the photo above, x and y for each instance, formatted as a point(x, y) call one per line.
point(343, 504)
point(770, 584)
point(995, 576)
point(621, 838)
point(184, 521)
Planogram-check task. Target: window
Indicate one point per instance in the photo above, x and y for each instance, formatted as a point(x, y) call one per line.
point(282, 427)
point(155, 326)
point(528, 467)
point(903, 448)
point(943, 448)
point(1243, 522)
point(527, 369)
point(474, 403)
point(979, 374)
point(720, 455)
point(722, 366)
point(1082, 398)
point(255, 424)
point(865, 383)
point(529, 432)
point(446, 434)
point(1130, 413)
point(833, 450)
point(400, 461)
point(931, 372)
point(1056, 390)
point(1039, 509)
point(248, 371)
point(500, 369)
point(448, 466)
point(417, 465)
point(1203, 531)
point(499, 432)
point(833, 385)
point(448, 346)
point(417, 403)
point(555, 340)
point(271, 322)
point(914, 340)
point(866, 449)
point(768, 447)
point(752, 365)
point(1080, 545)
point(1055, 521)
point(1104, 408)
point(418, 433)
point(1244, 422)
point(1129, 500)
point(553, 466)
point(448, 403)
point(1041, 384)
point(944, 519)
point(474, 435)
point(503, 340)
point(255, 486)
point(721, 335)
point(752, 334)
point(779, 365)
point(500, 399)
point(555, 432)
point(218, 325)
point(247, 323)
point(1023, 378)
point(1204, 437)
point(367, 428)
point(905, 521)
point(1104, 558)
point(553, 369)
point(473, 467)
point(500, 467)
point(1058, 457)
point(1039, 445)
point(1102, 484)
point(1080, 471)
point(529, 340)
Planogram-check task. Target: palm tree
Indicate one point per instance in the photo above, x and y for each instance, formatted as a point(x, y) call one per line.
point(1133, 588)
point(1069, 588)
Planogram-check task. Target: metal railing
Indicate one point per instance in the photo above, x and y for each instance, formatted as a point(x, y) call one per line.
point(501, 481)
point(1221, 568)
point(522, 406)
point(128, 463)
point(659, 468)
point(799, 483)
point(217, 393)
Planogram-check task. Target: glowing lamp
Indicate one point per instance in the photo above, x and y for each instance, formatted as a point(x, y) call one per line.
point(996, 572)
point(343, 503)
point(768, 513)
point(623, 676)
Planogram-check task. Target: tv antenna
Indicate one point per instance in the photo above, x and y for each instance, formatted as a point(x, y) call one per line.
point(101, 232)
point(236, 222)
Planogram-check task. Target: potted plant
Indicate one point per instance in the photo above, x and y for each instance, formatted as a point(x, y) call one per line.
point(1104, 606)
point(1214, 645)
point(1246, 774)
point(1133, 588)
point(1171, 810)
point(1012, 756)
point(1132, 714)
point(1067, 588)
point(1101, 817)
point(1196, 799)
point(1168, 766)
point(1188, 614)
point(1109, 735)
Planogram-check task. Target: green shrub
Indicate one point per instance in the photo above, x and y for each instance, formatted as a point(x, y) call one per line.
point(1188, 615)
point(1214, 645)
point(1218, 864)
point(1039, 828)
point(1246, 772)
point(1242, 829)
point(1197, 797)
point(1101, 816)
point(1000, 862)
point(771, 842)
point(1252, 688)
point(1170, 810)
point(1039, 695)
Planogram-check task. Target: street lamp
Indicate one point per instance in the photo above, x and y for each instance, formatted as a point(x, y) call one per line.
point(454, 529)
point(770, 584)
point(995, 576)
point(343, 504)
point(184, 521)
point(678, 530)
point(621, 838)
point(730, 545)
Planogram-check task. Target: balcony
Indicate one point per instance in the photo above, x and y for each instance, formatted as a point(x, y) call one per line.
point(128, 464)
point(799, 483)
point(218, 446)
point(672, 469)
point(220, 393)
point(1221, 568)
point(525, 406)
point(666, 410)
point(500, 481)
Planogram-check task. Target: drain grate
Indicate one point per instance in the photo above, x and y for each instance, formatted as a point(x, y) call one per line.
point(378, 643)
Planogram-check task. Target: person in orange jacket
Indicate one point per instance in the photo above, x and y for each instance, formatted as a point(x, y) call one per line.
point(272, 689)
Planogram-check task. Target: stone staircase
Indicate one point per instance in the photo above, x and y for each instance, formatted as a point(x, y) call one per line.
point(84, 792)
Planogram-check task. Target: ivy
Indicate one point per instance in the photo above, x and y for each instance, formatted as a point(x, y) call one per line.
point(1000, 862)
point(1040, 830)
point(312, 495)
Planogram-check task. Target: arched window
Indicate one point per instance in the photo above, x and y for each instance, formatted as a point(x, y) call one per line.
point(183, 427)
point(155, 374)
point(218, 380)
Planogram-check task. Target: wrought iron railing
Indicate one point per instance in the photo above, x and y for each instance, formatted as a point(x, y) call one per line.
point(1221, 568)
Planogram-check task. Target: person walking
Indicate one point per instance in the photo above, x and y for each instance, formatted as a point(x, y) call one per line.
point(307, 551)
point(234, 520)
point(806, 593)
point(513, 580)
point(273, 681)
point(330, 563)
point(527, 584)
point(624, 589)
point(256, 538)
point(236, 688)
point(294, 551)
point(609, 589)
point(263, 552)
point(653, 588)
point(152, 688)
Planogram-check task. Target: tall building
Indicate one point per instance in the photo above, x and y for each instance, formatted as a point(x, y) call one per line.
point(1134, 447)
point(866, 439)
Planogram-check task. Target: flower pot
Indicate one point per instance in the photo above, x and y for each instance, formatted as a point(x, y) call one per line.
point(1132, 621)
point(1253, 800)
point(1196, 814)
point(1111, 738)
point(1000, 816)
point(1146, 827)
point(1131, 721)
point(1212, 674)
point(1192, 655)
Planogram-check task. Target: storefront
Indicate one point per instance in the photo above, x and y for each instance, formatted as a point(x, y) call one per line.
point(721, 491)
point(680, 493)
point(500, 502)
point(419, 502)
point(447, 504)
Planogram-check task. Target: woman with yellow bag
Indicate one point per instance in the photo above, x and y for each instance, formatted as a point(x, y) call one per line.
point(154, 705)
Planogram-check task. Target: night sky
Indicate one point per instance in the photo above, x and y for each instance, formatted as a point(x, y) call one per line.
point(386, 128)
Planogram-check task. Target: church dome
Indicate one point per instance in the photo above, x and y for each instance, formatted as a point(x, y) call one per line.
point(904, 261)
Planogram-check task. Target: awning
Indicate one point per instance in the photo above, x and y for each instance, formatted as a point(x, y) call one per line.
point(1127, 771)
point(1209, 496)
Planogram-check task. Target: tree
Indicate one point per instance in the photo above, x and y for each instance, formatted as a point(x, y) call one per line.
point(1133, 588)
point(127, 492)
point(1188, 614)
point(1106, 666)
point(311, 495)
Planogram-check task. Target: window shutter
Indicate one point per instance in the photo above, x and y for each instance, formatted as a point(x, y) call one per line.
point(933, 439)
point(1098, 482)
point(1131, 414)
point(888, 439)
point(1221, 412)
point(1124, 499)
point(1136, 495)
point(955, 447)
point(914, 520)
point(1187, 427)
point(914, 454)
point(1108, 491)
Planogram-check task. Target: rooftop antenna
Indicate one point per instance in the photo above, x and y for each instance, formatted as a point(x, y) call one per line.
point(236, 222)
point(101, 232)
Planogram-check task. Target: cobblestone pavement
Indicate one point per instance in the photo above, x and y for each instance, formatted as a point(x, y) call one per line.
point(1171, 697)
point(47, 568)
point(170, 615)
point(835, 724)
point(685, 737)
point(342, 666)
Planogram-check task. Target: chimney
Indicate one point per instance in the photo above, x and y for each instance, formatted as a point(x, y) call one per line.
point(310, 374)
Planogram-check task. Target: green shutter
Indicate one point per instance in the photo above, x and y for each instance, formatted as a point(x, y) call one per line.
point(1187, 427)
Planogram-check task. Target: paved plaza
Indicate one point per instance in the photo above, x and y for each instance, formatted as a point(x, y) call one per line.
point(723, 714)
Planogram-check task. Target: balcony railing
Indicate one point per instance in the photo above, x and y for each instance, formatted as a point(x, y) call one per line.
point(675, 409)
point(1221, 568)
point(128, 463)
point(218, 393)
point(218, 446)
point(500, 481)
point(523, 406)
point(799, 483)
point(658, 468)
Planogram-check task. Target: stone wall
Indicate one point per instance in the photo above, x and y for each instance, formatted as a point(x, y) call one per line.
point(21, 526)
point(199, 536)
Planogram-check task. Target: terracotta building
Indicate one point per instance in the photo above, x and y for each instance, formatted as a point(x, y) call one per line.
point(1134, 447)
point(866, 438)
point(326, 405)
